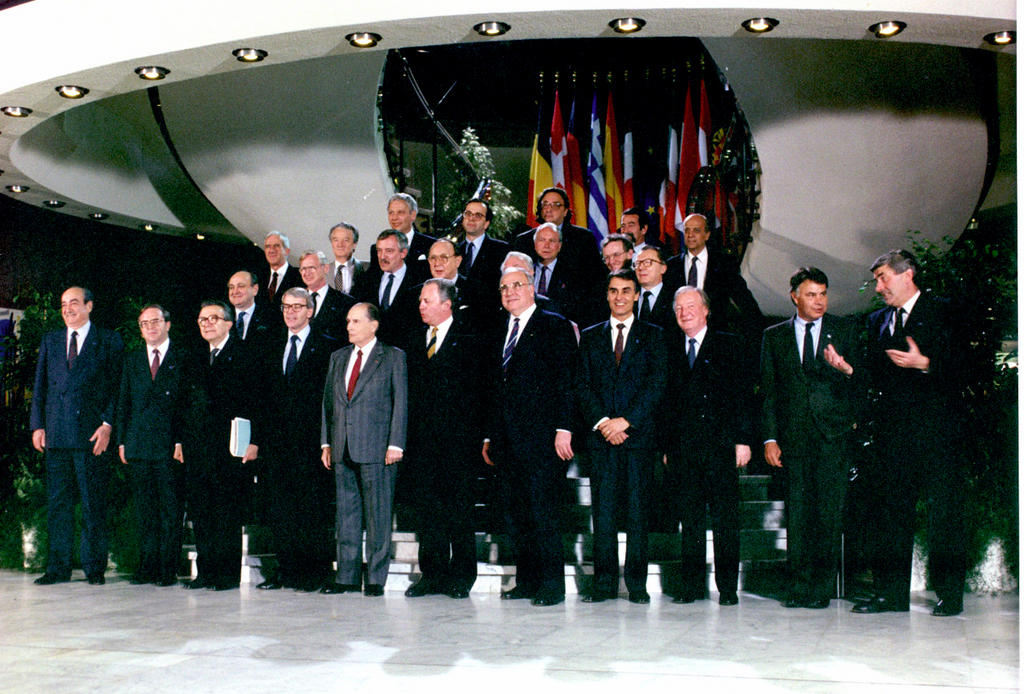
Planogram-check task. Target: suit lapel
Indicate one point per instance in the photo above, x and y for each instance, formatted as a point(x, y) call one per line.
point(373, 360)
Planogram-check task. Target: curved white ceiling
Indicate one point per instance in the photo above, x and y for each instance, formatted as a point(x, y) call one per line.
point(859, 139)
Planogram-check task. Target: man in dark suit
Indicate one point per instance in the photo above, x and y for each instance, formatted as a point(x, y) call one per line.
point(299, 490)
point(580, 245)
point(344, 269)
point(393, 287)
point(362, 436)
point(402, 209)
point(529, 435)
point(913, 354)
point(227, 387)
point(151, 418)
point(255, 322)
point(620, 380)
point(617, 252)
point(654, 304)
point(708, 438)
point(279, 275)
point(733, 307)
point(443, 457)
point(572, 294)
point(811, 390)
point(330, 307)
point(472, 304)
point(482, 255)
point(74, 403)
point(635, 223)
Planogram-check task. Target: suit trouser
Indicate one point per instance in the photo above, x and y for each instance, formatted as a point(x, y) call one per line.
point(298, 499)
point(531, 491)
point(700, 482)
point(368, 489)
point(617, 472)
point(67, 468)
point(157, 516)
point(444, 509)
point(814, 517)
point(217, 489)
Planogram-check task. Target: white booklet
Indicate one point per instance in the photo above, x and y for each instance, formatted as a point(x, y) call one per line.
point(240, 431)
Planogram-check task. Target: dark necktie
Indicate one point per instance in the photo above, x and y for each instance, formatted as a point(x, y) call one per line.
point(510, 345)
point(154, 366)
point(73, 349)
point(385, 300)
point(619, 344)
point(542, 285)
point(808, 346)
point(432, 345)
point(354, 378)
point(691, 278)
point(273, 284)
point(691, 352)
point(240, 326)
point(289, 364)
point(339, 279)
point(645, 306)
point(898, 333)
point(315, 297)
point(468, 254)
point(213, 355)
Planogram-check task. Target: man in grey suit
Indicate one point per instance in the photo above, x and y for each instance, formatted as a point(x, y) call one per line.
point(344, 269)
point(362, 435)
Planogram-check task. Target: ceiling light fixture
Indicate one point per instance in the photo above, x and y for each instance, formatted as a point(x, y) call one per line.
point(491, 28)
point(18, 189)
point(760, 25)
point(363, 39)
point(54, 204)
point(148, 227)
point(1001, 38)
point(200, 237)
point(884, 30)
point(152, 72)
point(249, 55)
point(98, 216)
point(16, 111)
point(71, 91)
point(627, 25)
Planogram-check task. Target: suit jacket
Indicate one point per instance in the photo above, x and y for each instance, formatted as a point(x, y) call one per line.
point(733, 307)
point(579, 247)
point(419, 249)
point(571, 294)
point(70, 404)
point(230, 387)
point(264, 325)
point(358, 268)
point(291, 417)
point(663, 312)
point(376, 417)
point(403, 315)
point(801, 407)
point(291, 278)
point(151, 412)
point(533, 397)
point(486, 268)
point(332, 318)
point(707, 407)
point(633, 389)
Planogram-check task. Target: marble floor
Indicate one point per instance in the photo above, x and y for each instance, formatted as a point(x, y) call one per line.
point(74, 637)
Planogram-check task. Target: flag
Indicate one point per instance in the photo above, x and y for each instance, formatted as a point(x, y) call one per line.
point(559, 149)
point(689, 163)
point(577, 184)
point(627, 169)
point(597, 204)
point(667, 194)
point(704, 128)
point(540, 167)
point(612, 167)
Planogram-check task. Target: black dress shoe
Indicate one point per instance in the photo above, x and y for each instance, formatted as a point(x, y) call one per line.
point(728, 599)
point(794, 602)
point(547, 600)
point(96, 579)
point(270, 585)
point(947, 608)
point(339, 588)
point(639, 597)
point(195, 584)
point(518, 593)
point(138, 580)
point(373, 590)
point(820, 604)
point(598, 596)
point(458, 593)
point(167, 581)
point(877, 605)
point(683, 599)
point(50, 579)
point(223, 585)
point(422, 587)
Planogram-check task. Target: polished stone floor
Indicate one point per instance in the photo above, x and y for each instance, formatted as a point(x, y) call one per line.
point(74, 637)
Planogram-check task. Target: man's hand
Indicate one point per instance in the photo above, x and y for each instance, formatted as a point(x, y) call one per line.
point(120, 454)
point(485, 451)
point(179, 454)
point(743, 455)
point(836, 361)
point(563, 445)
point(773, 454)
point(911, 359)
point(252, 451)
point(325, 456)
point(100, 439)
point(610, 428)
point(39, 440)
point(392, 456)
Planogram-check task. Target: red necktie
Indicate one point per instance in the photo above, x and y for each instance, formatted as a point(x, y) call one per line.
point(155, 365)
point(355, 373)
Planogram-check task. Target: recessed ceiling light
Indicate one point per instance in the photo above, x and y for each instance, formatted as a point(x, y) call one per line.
point(363, 39)
point(627, 25)
point(98, 215)
point(152, 72)
point(884, 30)
point(200, 237)
point(491, 28)
point(71, 91)
point(18, 189)
point(147, 227)
point(16, 111)
point(54, 204)
point(760, 25)
point(1001, 38)
point(249, 55)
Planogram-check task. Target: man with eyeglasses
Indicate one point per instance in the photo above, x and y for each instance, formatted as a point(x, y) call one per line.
point(655, 301)
point(299, 491)
point(565, 283)
point(471, 304)
point(579, 244)
point(617, 252)
point(73, 409)
point(529, 435)
point(151, 419)
point(227, 387)
point(482, 254)
point(330, 307)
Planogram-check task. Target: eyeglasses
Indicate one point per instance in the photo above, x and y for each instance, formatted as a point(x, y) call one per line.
point(473, 215)
point(555, 204)
point(648, 262)
point(309, 268)
point(514, 287)
point(439, 258)
point(613, 256)
point(150, 323)
point(293, 308)
point(210, 320)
